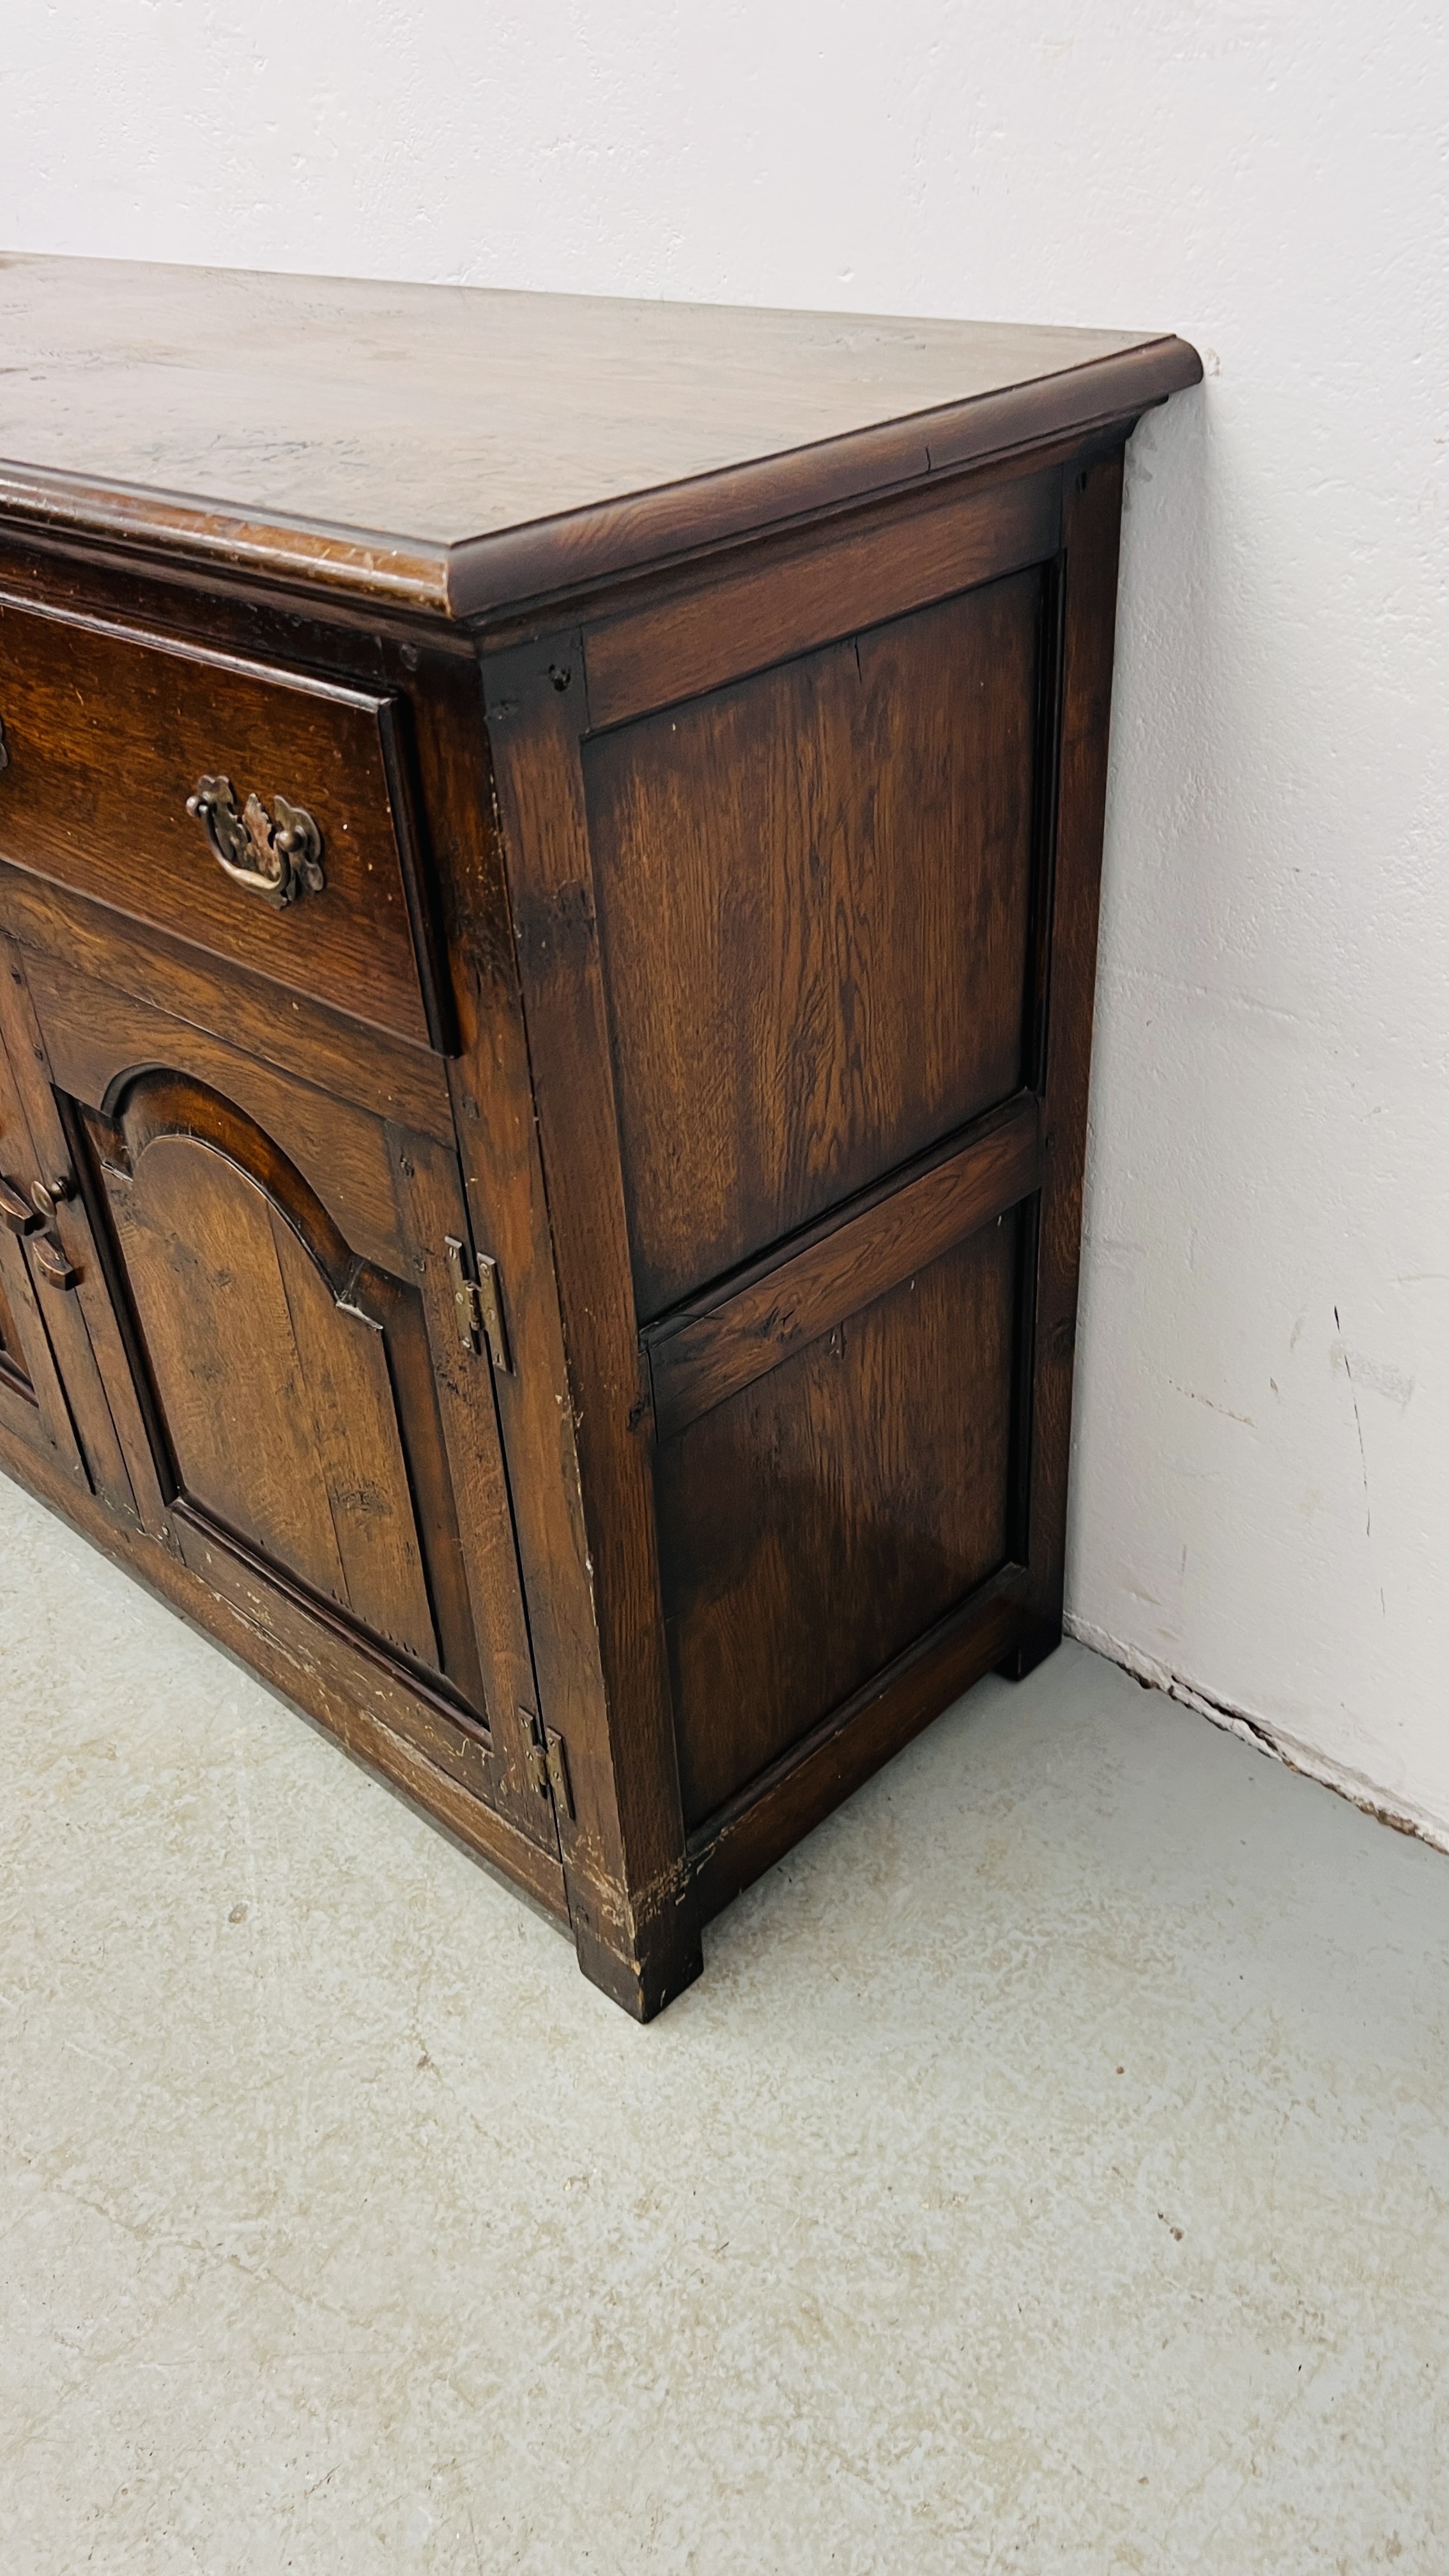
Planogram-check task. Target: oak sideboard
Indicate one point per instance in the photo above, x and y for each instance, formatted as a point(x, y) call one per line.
point(549, 857)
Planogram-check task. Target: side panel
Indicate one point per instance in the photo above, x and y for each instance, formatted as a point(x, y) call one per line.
point(814, 1525)
point(814, 896)
point(807, 967)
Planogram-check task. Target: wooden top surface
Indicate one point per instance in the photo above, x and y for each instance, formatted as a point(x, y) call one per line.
point(461, 449)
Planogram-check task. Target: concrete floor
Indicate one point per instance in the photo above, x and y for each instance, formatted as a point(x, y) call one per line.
point(1049, 2174)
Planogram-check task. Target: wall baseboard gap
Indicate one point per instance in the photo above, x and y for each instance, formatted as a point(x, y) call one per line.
point(1266, 1738)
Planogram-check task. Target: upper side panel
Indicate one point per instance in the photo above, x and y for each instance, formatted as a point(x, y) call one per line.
point(814, 897)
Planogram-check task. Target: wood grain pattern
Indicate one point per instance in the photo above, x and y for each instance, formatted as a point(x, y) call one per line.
point(709, 951)
point(32, 1399)
point(281, 1030)
point(97, 1036)
point(712, 1354)
point(428, 1193)
point(743, 619)
point(816, 885)
point(270, 1373)
point(108, 733)
point(498, 1142)
point(783, 1804)
point(295, 1403)
point(79, 1326)
point(638, 1911)
point(526, 443)
point(10, 1350)
point(813, 1525)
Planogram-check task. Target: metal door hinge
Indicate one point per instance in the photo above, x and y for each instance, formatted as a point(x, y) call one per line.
point(478, 1306)
point(547, 1763)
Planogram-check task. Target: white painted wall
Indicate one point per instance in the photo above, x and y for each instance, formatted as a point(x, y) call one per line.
point(1262, 1493)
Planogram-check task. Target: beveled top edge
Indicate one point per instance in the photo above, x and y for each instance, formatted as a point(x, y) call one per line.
point(520, 445)
point(362, 563)
point(554, 557)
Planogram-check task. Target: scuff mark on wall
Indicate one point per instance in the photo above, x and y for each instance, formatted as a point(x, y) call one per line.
point(1213, 1406)
point(1391, 1383)
point(1342, 1360)
point(1275, 1741)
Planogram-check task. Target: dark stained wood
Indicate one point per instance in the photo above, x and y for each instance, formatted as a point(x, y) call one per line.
point(453, 447)
point(701, 1359)
point(584, 1304)
point(33, 1405)
point(786, 1802)
point(96, 1037)
point(818, 885)
point(393, 1080)
point(1091, 521)
point(652, 1941)
point(442, 1498)
point(745, 618)
point(293, 1396)
point(109, 732)
point(431, 1201)
point(498, 1142)
point(273, 1357)
point(288, 1433)
point(79, 1324)
point(816, 1523)
point(10, 1350)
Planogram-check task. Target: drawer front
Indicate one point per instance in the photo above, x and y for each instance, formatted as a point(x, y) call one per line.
point(265, 815)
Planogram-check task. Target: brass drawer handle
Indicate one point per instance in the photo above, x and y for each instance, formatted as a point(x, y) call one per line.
point(278, 856)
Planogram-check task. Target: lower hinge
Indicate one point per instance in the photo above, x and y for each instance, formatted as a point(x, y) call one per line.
point(547, 1763)
point(477, 1303)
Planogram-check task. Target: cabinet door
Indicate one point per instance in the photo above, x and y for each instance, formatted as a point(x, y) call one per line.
point(32, 1401)
point(284, 1272)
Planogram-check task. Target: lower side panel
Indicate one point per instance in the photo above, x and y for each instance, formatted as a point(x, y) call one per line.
point(991, 1632)
point(284, 1655)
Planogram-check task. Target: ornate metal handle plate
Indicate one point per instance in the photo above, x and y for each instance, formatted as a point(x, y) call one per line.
point(278, 856)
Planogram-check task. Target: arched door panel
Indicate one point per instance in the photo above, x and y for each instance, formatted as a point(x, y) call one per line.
point(269, 1295)
point(288, 1380)
point(276, 1398)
